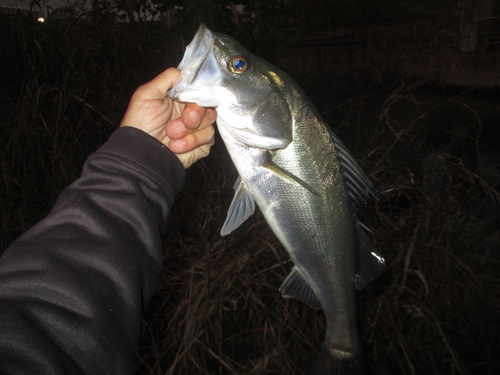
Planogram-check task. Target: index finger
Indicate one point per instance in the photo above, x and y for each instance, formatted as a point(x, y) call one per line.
point(192, 115)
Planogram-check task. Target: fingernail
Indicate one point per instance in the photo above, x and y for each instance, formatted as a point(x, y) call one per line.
point(176, 144)
point(194, 117)
point(176, 128)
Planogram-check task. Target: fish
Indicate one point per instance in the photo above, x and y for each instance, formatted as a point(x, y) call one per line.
point(301, 176)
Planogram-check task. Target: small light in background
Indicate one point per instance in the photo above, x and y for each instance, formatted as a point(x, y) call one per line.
point(41, 19)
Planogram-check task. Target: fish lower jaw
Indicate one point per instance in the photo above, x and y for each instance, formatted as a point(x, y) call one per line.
point(187, 95)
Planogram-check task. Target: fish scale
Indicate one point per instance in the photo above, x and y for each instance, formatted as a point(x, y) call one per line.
point(299, 174)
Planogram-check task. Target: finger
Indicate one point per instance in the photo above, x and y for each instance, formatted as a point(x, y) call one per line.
point(193, 140)
point(195, 116)
point(177, 128)
point(163, 82)
point(192, 115)
point(189, 158)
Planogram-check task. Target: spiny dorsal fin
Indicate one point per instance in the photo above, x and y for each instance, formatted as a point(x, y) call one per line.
point(296, 286)
point(370, 263)
point(358, 184)
point(242, 207)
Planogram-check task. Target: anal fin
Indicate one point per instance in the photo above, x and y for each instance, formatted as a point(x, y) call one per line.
point(296, 286)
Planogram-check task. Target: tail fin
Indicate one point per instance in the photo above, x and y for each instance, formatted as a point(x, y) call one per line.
point(334, 362)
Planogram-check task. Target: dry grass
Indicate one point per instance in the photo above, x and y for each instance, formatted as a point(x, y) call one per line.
point(217, 309)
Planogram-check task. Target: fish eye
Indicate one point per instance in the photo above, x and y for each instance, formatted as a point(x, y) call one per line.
point(239, 65)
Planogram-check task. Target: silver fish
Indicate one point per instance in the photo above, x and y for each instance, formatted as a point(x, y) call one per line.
point(300, 175)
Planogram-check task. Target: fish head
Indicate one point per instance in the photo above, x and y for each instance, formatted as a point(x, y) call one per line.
point(249, 94)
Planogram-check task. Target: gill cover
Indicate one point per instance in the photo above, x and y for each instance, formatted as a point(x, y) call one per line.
point(263, 118)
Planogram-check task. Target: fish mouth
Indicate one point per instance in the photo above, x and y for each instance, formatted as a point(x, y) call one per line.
point(198, 68)
point(196, 53)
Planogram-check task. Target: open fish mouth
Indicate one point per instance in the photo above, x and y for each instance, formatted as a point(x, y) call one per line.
point(196, 53)
point(198, 68)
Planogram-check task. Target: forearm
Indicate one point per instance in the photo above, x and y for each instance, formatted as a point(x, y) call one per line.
point(72, 289)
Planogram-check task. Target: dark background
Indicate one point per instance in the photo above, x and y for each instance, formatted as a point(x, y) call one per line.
point(410, 86)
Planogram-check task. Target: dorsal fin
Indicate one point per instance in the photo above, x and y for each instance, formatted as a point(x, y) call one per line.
point(358, 184)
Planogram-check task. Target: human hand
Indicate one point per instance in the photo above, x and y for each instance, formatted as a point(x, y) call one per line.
point(186, 129)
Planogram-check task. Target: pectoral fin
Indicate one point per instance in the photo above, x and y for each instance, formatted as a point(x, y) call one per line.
point(370, 263)
point(269, 164)
point(296, 286)
point(242, 207)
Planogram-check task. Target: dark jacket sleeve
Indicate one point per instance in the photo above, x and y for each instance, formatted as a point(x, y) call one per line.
point(72, 288)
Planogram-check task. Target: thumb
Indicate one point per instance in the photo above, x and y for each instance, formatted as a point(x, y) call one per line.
point(163, 82)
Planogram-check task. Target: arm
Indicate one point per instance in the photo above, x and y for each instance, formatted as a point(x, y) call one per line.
point(73, 288)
